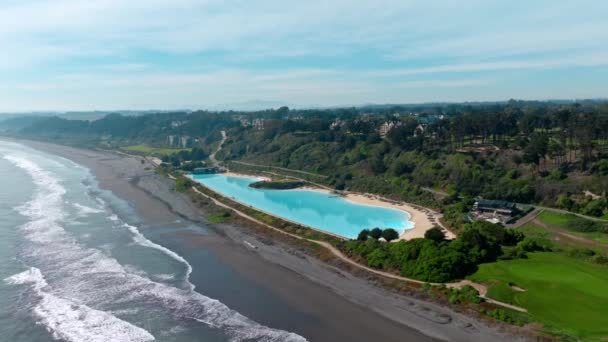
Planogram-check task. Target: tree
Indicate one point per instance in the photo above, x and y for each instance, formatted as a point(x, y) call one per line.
point(536, 149)
point(363, 235)
point(390, 234)
point(436, 234)
point(376, 233)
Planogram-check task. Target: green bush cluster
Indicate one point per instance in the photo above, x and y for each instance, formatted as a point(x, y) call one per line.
point(508, 316)
point(182, 184)
point(388, 234)
point(277, 185)
point(437, 260)
point(587, 226)
point(467, 294)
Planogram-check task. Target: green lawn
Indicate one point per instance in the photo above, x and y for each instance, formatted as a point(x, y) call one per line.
point(556, 219)
point(534, 231)
point(569, 296)
point(562, 221)
point(605, 217)
point(153, 150)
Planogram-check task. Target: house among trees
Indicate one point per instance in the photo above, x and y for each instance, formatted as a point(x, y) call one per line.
point(495, 211)
point(180, 141)
point(387, 127)
point(337, 124)
point(177, 123)
point(258, 124)
point(243, 119)
point(419, 130)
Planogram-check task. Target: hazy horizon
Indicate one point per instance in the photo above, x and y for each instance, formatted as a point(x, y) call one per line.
point(71, 55)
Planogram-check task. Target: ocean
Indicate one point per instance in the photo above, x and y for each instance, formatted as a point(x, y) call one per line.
point(77, 266)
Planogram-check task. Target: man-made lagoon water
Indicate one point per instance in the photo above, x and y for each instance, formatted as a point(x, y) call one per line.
point(310, 208)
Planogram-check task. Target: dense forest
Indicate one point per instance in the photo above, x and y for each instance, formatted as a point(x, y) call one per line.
point(550, 153)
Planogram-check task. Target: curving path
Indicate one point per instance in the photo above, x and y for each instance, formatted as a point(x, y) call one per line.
point(212, 158)
point(482, 289)
point(280, 168)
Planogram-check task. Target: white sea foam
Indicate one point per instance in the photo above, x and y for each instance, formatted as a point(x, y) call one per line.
point(32, 275)
point(140, 239)
point(164, 277)
point(70, 321)
point(81, 279)
point(83, 210)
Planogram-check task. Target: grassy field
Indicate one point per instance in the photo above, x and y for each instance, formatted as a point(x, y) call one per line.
point(556, 219)
point(153, 150)
point(563, 220)
point(532, 230)
point(567, 295)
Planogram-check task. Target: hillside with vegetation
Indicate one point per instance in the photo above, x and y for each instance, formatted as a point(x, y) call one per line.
point(552, 154)
point(546, 154)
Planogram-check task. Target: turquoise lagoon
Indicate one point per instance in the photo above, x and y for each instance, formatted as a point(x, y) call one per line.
point(310, 208)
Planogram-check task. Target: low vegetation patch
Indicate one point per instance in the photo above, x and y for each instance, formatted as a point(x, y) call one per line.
point(277, 185)
point(220, 216)
point(508, 316)
point(145, 149)
point(182, 184)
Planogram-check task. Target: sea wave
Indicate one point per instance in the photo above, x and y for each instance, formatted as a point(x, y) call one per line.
point(70, 321)
point(140, 239)
point(84, 210)
point(78, 279)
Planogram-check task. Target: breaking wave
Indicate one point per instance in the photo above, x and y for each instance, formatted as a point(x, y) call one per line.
point(70, 321)
point(78, 286)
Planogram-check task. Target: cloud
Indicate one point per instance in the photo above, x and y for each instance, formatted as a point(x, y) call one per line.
point(206, 51)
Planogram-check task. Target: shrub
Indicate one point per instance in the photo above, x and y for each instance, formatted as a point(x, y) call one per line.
point(376, 233)
point(601, 259)
point(584, 225)
point(594, 208)
point(509, 316)
point(377, 258)
point(435, 234)
point(390, 234)
point(363, 235)
point(182, 184)
point(467, 294)
point(534, 245)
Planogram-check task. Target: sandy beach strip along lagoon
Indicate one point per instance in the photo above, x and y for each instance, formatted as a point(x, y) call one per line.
point(423, 219)
point(316, 300)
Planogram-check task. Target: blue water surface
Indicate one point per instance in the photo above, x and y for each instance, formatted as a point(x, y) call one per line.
point(315, 209)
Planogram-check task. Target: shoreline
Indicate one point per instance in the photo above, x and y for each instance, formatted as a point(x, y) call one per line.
point(348, 307)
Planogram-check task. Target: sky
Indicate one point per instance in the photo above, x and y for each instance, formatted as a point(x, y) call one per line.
point(66, 55)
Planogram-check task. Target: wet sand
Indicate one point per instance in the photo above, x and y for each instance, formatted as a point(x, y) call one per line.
point(337, 305)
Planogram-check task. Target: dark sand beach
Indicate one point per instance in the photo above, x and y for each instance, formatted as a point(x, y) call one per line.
point(274, 284)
